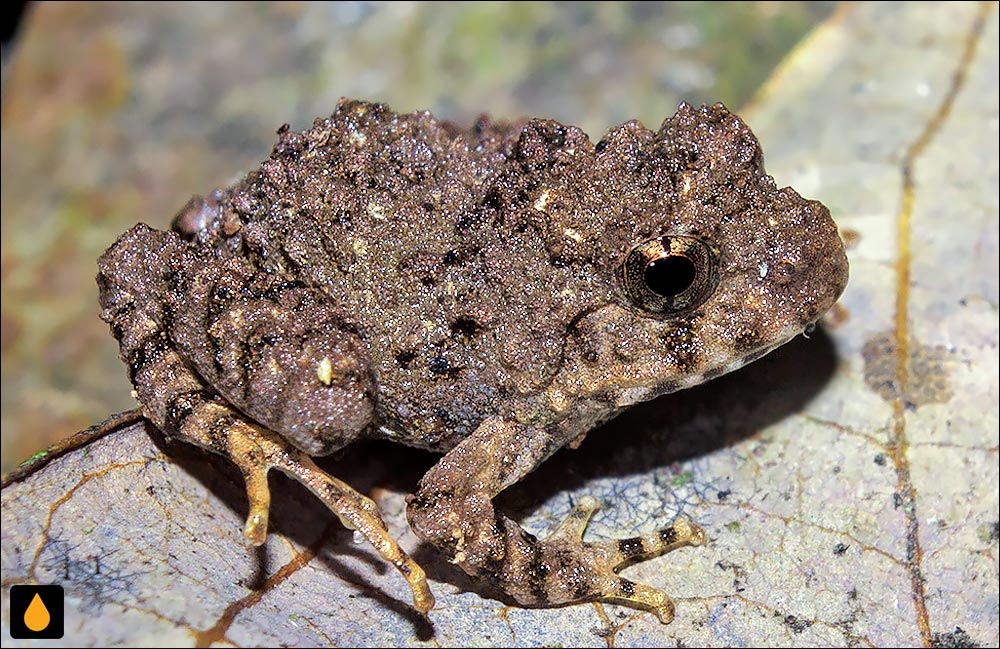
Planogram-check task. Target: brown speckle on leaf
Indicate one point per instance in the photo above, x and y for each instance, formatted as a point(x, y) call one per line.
point(928, 375)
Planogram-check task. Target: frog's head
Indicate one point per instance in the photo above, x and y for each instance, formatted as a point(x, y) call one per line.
point(713, 268)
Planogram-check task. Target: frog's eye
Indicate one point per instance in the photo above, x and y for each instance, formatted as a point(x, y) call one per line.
point(670, 275)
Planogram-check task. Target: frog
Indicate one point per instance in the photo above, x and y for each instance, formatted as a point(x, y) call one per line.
point(491, 292)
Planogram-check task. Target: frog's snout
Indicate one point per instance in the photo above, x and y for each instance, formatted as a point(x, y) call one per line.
point(828, 275)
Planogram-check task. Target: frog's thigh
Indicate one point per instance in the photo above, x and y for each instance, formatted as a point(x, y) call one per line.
point(276, 351)
point(453, 510)
point(177, 402)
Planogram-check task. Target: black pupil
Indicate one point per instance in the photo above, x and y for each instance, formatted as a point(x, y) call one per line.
point(669, 276)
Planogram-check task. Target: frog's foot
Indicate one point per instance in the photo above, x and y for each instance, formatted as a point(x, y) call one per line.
point(256, 450)
point(603, 558)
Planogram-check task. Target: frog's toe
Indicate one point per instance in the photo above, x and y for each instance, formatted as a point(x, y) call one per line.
point(682, 532)
point(633, 594)
point(259, 497)
point(576, 521)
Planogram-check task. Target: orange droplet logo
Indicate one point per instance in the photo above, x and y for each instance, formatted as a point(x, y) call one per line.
point(37, 617)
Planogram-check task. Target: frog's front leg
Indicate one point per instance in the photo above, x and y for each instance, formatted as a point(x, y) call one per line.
point(453, 510)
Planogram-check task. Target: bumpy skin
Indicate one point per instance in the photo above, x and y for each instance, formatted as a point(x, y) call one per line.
point(391, 276)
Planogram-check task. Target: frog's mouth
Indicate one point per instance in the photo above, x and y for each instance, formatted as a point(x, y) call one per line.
point(630, 395)
point(618, 361)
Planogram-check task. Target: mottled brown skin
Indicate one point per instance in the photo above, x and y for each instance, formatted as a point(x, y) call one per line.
point(483, 293)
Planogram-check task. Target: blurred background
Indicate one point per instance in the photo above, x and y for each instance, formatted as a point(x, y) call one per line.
point(118, 113)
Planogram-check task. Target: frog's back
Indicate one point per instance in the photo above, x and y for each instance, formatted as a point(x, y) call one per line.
point(409, 225)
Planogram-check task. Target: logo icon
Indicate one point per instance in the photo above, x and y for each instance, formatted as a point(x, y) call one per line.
point(36, 612)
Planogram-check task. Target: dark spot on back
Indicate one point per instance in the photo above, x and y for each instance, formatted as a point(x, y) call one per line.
point(492, 199)
point(222, 293)
point(465, 326)
point(405, 357)
point(440, 365)
point(274, 293)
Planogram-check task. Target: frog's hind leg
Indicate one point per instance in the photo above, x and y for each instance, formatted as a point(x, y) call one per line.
point(176, 400)
point(453, 510)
